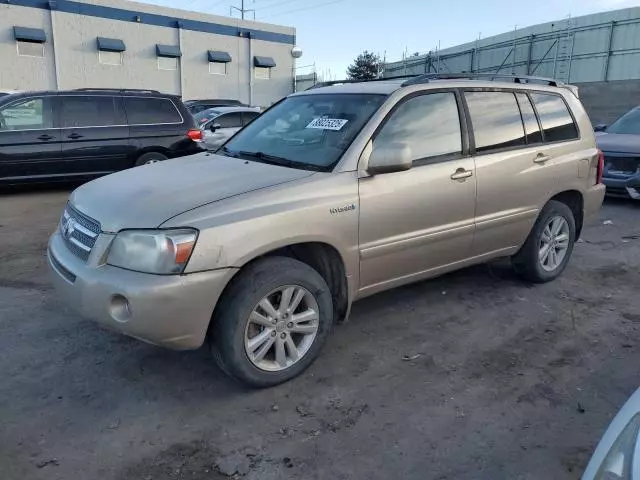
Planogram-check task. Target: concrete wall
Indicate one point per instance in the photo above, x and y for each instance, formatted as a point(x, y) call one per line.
point(598, 47)
point(606, 101)
point(76, 27)
point(19, 72)
point(78, 54)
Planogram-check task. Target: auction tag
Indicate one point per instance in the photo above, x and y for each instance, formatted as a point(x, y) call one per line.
point(327, 123)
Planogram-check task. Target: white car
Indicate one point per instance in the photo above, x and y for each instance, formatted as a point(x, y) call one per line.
point(617, 456)
point(221, 123)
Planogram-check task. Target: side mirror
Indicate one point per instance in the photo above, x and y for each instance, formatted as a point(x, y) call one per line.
point(395, 157)
point(214, 127)
point(601, 127)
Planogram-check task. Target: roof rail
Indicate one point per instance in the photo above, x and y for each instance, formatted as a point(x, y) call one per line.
point(121, 90)
point(484, 76)
point(340, 82)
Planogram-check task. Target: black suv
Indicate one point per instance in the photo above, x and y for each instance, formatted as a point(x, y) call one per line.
point(85, 133)
point(197, 106)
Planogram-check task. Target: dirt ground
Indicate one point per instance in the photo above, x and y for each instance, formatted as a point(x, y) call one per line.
point(475, 375)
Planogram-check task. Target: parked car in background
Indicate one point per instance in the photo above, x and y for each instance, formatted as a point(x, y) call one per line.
point(331, 195)
point(219, 124)
point(617, 456)
point(620, 143)
point(76, 134)
point(197, 106)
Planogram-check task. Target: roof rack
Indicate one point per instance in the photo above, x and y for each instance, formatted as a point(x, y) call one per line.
point(340, 82)
point(485, 76)
point(121, 90)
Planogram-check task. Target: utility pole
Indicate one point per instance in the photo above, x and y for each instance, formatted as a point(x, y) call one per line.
point(242, 10)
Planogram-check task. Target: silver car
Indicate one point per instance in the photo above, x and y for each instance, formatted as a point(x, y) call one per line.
point(219, 124)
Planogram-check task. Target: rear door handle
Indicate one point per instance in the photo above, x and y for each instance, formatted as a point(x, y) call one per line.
point(75, 136)
point(461, 174)
point(541, 158)
point(45, 137)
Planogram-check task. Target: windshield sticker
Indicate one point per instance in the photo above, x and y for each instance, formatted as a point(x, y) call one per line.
point(327, 123)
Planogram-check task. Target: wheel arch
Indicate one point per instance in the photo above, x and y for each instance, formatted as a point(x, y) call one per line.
point(575, 201)
point(323, 257)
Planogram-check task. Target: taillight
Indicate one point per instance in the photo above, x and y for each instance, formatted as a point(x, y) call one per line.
point(600, 169)
point(195, 135)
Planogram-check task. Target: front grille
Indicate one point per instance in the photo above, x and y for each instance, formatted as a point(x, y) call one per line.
point(79, 232)
point(623, 164)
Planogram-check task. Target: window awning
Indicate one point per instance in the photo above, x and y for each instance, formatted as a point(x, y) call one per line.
point(110, 44)
point(26, 34)
point(267, 62)
point(170, 51)
point(219, 57)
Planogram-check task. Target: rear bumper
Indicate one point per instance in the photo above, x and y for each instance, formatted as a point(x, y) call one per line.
point(593, 199)
point(168, 310)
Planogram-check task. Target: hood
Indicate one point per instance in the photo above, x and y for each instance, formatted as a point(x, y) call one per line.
point(147, 196)
point(618, 143)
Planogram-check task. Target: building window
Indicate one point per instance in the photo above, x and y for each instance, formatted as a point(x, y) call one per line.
point(30, 49)
point(167, 63)
point(110, 58)
point(217, 68)
point(263, 73)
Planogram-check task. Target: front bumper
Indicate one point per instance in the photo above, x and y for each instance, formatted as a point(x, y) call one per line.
point(624, 186)
point(168, 310)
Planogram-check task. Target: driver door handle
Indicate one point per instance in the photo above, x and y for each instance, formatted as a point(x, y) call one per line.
point(75, 136)
point(45, 137)
point(461, 174)
point(541, 158)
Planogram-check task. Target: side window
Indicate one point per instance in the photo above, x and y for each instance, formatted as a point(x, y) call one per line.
point(150, 111)
point(557, 123)
point(229, 120)
point(531, 126)
point(429, 124)
point(82, 111)
point(248, 117)
point(496, 120)
point(27, 114)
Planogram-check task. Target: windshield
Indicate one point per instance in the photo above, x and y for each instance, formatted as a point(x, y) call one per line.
point(629, 123)
point(204, 117)
point(311, 130)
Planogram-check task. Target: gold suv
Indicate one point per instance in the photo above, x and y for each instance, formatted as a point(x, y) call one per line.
point(331, 195)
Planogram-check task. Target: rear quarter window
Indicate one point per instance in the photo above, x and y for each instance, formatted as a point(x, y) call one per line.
point(557, 122)
point(150, 111)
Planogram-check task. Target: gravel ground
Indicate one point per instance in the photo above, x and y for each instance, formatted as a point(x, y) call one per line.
point(472, 375)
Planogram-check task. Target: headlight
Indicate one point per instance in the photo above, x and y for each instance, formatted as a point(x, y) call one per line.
point(153, 251)
point(622, 460)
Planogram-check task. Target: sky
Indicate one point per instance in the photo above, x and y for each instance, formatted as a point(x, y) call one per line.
point(332, 33)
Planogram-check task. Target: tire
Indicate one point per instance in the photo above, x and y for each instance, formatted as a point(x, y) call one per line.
point(529, 262)
point(232, 330)
point(150, 157)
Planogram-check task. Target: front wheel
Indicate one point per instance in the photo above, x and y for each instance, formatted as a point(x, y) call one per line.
point(545, 254)
point(272, 322)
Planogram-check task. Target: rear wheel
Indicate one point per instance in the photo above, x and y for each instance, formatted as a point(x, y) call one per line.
point(545, 254)
point(149, 158)
point(272, 322)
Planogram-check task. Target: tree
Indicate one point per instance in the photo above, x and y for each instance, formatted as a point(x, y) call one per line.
point(365, 67)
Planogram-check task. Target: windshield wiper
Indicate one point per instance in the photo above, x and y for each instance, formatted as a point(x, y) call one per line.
point(271, 159)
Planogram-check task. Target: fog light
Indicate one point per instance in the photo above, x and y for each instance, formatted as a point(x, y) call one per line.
point(119, 309)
